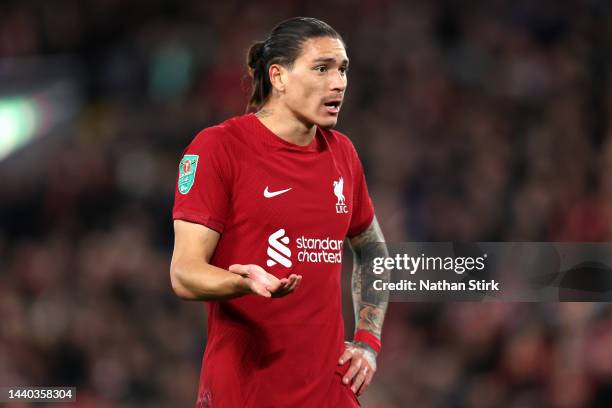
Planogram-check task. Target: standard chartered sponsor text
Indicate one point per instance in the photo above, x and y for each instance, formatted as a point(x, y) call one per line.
point(319, 250)
point(412, 264)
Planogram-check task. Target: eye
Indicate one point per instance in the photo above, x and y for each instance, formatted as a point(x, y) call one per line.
point(321, 69)
point(343, 70)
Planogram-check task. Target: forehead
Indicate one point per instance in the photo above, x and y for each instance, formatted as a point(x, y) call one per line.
point(323, 47)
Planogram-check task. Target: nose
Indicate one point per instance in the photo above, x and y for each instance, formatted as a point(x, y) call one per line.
point(338, 82)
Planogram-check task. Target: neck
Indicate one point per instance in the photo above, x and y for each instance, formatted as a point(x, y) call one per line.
point(285, 125)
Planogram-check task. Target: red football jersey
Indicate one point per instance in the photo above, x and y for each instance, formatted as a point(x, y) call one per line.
point(288, 209)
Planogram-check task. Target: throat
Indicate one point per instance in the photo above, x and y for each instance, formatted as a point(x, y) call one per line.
point(294, 132)
point(303, 139)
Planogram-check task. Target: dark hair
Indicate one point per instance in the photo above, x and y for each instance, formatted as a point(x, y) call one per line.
point(282, 46)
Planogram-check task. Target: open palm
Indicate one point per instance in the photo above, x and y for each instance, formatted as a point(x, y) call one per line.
point(265, 284)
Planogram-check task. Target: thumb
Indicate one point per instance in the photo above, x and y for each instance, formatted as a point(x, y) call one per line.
point(239, 269)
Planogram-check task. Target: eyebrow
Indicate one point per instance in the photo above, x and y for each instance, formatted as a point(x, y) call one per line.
point(331, 59)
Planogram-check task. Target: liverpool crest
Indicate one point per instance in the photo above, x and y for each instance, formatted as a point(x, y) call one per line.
point(341, 207)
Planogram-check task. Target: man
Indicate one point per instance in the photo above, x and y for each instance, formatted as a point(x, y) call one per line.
point(263, 204)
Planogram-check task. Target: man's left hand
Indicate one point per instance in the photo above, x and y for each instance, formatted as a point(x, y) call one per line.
point(362, 368)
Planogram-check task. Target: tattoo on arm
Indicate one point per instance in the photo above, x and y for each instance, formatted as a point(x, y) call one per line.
point(370, 304)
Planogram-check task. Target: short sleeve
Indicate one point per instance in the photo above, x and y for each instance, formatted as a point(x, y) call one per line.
point(363, 209)
point(202, 193)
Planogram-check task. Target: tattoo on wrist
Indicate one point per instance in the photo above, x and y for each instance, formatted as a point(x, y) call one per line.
point(365, 346)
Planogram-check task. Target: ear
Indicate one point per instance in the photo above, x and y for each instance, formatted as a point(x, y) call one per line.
point(278, 77)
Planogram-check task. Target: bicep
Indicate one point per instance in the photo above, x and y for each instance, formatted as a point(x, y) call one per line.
point(193, 241)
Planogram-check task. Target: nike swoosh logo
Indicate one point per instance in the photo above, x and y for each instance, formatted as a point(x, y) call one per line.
point(270, 194)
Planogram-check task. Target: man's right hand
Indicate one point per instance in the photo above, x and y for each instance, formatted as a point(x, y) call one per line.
point(263, 283)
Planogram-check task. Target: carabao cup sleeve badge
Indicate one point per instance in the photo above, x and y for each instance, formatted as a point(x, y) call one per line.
point(187, 172)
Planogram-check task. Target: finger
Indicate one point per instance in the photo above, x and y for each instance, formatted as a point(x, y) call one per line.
point(280, 293)
point(292, 283)
point(346, 356)
point(298, 281)
point(282, 288)
point(353, 369)
point(359, 378)
point(366, 382)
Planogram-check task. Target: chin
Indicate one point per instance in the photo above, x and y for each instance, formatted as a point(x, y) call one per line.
point(327, 123)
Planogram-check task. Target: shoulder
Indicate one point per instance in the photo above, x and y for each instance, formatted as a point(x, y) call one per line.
point(218, 137)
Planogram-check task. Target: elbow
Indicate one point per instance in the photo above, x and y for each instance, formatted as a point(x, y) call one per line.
point(176, 280)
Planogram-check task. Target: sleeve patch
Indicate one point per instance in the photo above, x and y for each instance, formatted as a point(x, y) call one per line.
point(187, 172)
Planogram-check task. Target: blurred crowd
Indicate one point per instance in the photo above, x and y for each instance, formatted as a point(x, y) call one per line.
point(476, 121)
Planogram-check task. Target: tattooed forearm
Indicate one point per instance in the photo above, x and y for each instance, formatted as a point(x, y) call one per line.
point(371, 318)
point(370, 304)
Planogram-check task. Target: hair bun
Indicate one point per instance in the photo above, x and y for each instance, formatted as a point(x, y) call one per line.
point(255, 54)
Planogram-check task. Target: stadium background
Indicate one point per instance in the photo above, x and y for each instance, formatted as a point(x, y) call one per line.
point(481, 120)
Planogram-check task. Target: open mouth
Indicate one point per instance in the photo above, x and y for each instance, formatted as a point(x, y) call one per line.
point(333, 106)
